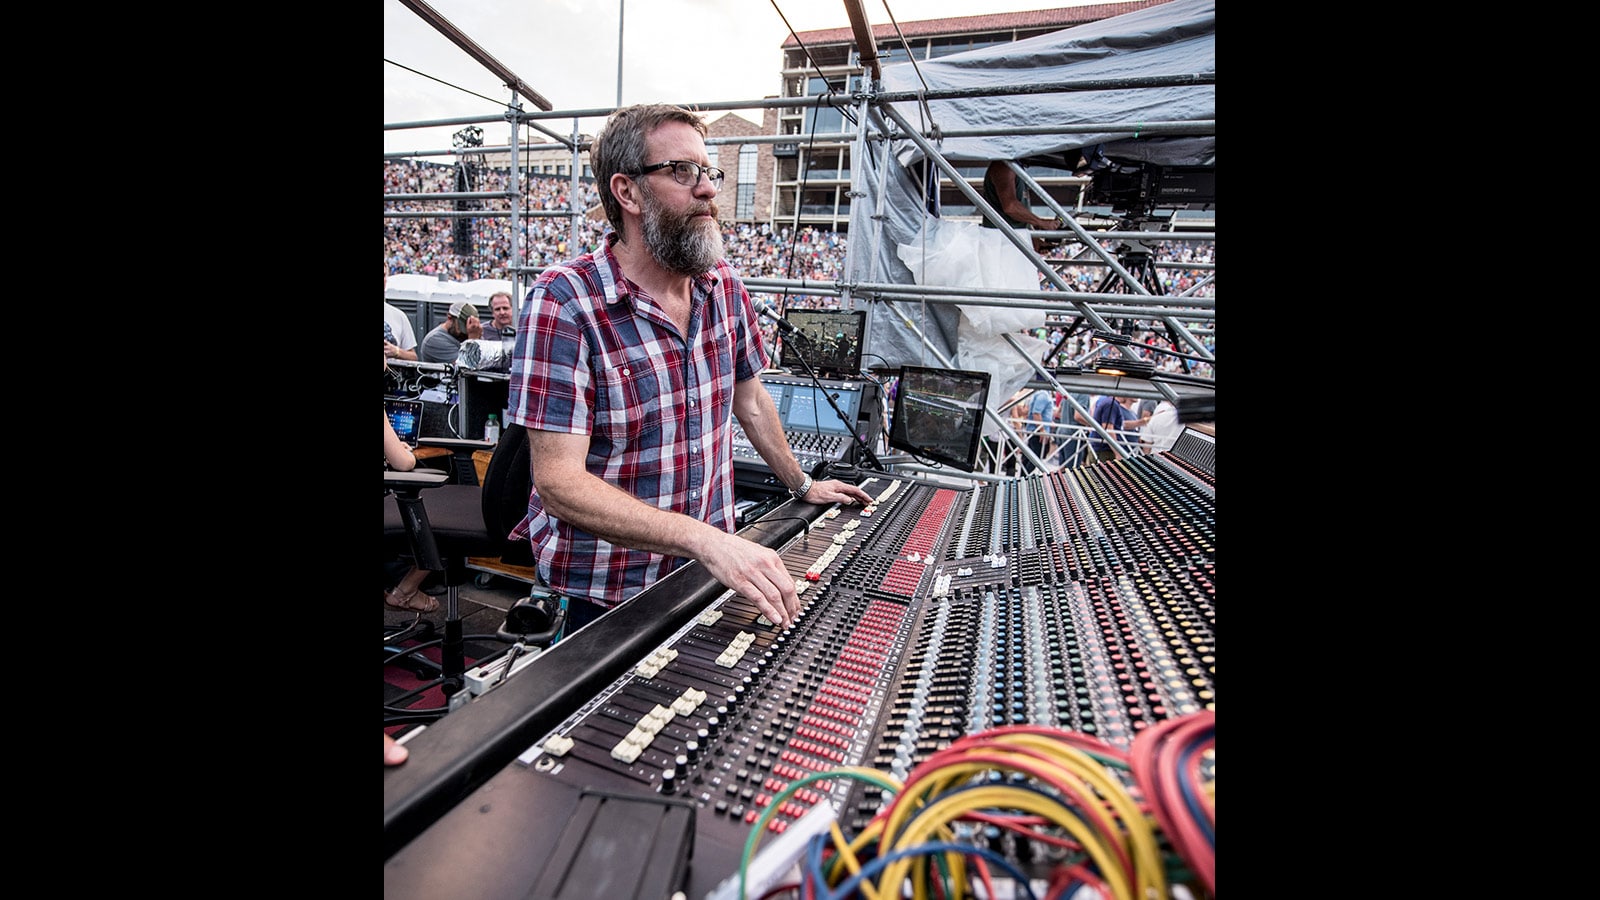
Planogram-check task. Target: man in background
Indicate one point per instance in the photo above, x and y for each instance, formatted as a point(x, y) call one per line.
point(1041, 424)
point(443, 343)
point(1161, 432)
point(1111, 414)
point(1074, 443)
point(502, 321)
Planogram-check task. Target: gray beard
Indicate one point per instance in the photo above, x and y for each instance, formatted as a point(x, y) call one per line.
point(680, 244)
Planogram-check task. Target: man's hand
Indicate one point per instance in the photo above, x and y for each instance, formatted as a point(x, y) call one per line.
point(474, 328)
point(835, 491)
point(756, 573)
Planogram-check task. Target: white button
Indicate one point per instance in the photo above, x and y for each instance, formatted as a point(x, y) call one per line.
point(625, 371)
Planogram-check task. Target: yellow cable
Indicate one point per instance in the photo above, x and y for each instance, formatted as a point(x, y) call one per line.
point(849, 858)
point(1066, 764)
point(1139, 842)
point(942, 811)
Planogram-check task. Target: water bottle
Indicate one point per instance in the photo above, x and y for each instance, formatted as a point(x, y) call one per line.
point(491, 429)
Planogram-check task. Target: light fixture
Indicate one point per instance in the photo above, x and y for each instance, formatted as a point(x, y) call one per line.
point(1137, 368)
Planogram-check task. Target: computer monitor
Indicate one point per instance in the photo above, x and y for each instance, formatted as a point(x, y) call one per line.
point(938, 415)
point(828, 339)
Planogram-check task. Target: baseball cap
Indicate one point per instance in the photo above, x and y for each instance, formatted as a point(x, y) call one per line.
point(462, 310)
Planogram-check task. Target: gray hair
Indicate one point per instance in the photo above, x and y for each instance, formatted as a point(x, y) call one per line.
point(620, 146)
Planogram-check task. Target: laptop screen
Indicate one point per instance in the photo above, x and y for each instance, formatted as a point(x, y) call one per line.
point(406, 417)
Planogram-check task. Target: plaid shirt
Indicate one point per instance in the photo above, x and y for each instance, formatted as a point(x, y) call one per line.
point(596, 355)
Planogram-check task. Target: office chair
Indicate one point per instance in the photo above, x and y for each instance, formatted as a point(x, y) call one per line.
point(444, 525)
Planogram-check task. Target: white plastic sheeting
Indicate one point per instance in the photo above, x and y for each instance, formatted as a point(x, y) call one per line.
point(889, 211)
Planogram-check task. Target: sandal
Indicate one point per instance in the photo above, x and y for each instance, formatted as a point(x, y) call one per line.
point(416, 601)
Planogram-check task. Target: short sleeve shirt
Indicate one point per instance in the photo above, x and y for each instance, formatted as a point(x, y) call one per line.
point(595, 355)
point(1110, 414)
point(439, 346)
point(397, 327)
point(1043, 405)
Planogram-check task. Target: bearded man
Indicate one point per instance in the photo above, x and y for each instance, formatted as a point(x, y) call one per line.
point(630, 364)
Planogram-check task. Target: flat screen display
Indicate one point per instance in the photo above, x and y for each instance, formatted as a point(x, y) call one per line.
point(828, 339)
point(808, 409)
point(406, 417)
point(938, 415)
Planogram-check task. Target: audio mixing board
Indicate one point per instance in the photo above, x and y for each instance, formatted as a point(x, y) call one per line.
point(1081, 599)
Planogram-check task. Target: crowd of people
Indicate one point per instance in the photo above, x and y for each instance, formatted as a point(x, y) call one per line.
point(426, 246)
point(1062, 437)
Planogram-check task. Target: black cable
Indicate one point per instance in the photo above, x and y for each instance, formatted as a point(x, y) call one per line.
point(805, 538)
point(813, 62)
point(1155, 349)
point(438, 641)
point(511, 660)
point(447, 84)
point(850, 426)
point(412, 714)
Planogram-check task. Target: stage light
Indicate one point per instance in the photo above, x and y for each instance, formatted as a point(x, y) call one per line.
point(1136, 368)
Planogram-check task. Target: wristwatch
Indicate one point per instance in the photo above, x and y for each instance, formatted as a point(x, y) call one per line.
point(799, 493)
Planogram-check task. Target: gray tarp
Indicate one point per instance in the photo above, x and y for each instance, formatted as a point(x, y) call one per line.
point(1176, 38)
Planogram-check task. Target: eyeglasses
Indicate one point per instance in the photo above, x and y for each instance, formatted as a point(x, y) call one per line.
point(687, 173)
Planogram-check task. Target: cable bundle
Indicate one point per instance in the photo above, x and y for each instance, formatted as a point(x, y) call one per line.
point(1051, 789)
point(1171, 761)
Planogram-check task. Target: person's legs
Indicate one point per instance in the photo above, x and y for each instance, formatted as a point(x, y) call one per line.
point(407, 594)
point(1036, 444)
point(581, 612)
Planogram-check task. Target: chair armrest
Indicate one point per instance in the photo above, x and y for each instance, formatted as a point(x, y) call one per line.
point(455, 443)
point(414, 479)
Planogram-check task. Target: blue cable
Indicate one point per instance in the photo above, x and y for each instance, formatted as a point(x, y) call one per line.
point(877, 865)
point(1196, 811)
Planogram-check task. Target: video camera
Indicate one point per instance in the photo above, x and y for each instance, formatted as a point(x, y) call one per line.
point(1138, 188)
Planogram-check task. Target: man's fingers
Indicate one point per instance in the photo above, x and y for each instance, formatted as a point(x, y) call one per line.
point(779, 606)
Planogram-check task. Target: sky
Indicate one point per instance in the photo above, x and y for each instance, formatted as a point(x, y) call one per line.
point(674, 51)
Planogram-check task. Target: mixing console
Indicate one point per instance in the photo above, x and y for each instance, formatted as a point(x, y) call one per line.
point(808, 448)
point(1081, 600)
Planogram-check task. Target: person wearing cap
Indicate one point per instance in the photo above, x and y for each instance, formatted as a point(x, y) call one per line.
point(443, 343)
point(632, 363)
